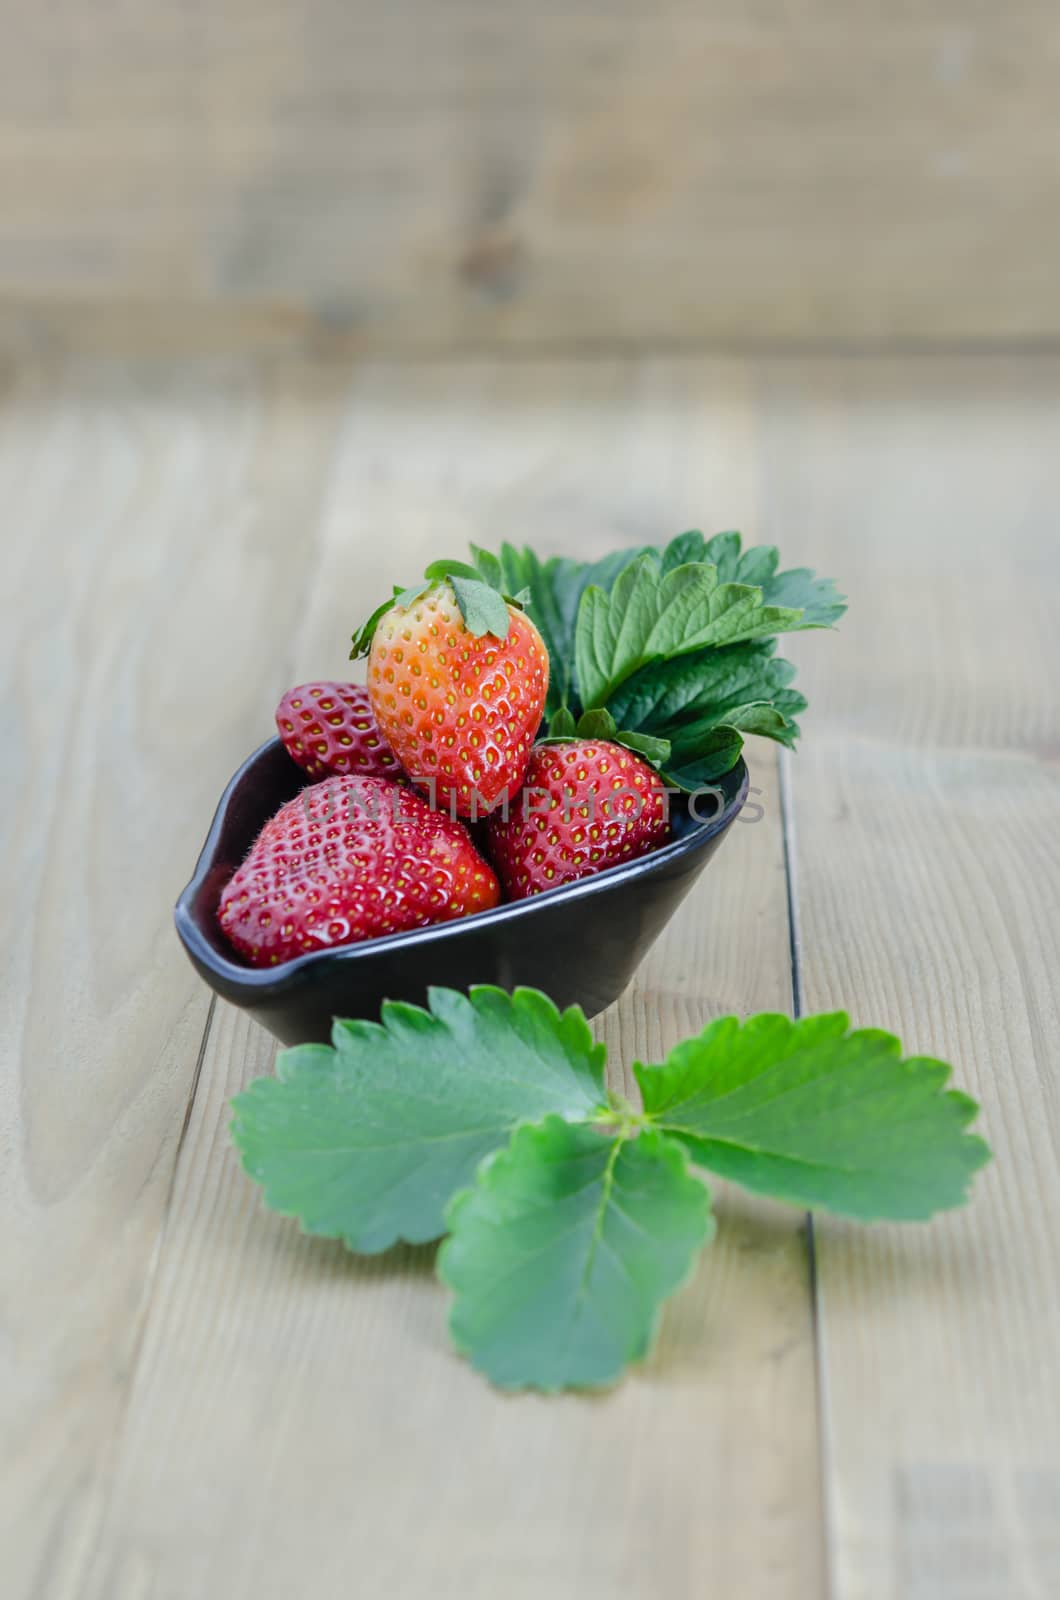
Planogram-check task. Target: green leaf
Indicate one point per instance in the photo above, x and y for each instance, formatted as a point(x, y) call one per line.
point(704, 685)
point(562, 1254)
point(601, 725)
point(655, 751)
point(482, 608)
point(695, 743)
point(687, 699)
point(817, 598)
point(556, 587)
point(769, 721)
point(650, 615)
point(680, 551)
point(812, 1113)
point(368, 1140)
point(716, 753)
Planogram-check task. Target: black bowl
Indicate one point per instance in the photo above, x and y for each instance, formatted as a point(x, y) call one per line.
point(580, 943)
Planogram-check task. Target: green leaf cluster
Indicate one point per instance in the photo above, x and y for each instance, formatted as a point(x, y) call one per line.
point(571, 1215)
point(676, 643)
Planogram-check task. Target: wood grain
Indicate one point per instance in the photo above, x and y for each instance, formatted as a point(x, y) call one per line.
point(147, 549)
point(926, 801)
point(491, 172)
point(195, 1399)
point(299, 1420)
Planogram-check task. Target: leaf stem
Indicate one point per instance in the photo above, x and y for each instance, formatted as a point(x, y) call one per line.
point(619, 1117)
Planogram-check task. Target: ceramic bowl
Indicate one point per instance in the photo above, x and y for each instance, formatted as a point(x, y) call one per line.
point(580, 943)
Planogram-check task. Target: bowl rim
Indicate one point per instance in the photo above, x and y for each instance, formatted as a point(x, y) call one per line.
point(265, 982)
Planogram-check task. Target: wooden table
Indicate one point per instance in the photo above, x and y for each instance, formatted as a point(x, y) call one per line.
point(199, 1403)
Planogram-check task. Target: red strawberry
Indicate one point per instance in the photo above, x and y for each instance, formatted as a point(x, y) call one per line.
point(587, 805)
point(348, 859)
point(330, 728)
point(460, 708)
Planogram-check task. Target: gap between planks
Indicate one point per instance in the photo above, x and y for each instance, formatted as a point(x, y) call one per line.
point(820, 1364)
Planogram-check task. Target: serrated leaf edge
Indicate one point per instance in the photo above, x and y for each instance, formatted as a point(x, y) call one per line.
point(697, 1145)
point(596, 1060)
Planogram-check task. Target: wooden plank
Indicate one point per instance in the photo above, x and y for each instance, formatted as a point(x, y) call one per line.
point(147, 545)
point(491, 171)
point(926, 800)
point(299, 1423)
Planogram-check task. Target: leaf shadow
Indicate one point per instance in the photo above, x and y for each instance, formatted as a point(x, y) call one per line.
point(274, 1239)
point(330, 1258)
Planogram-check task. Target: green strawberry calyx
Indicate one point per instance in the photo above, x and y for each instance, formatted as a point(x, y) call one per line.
point(483, 608)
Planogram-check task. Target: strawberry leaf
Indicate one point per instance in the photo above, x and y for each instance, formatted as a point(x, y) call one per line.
point(707, 688)
point(817, 598)
point(367, 1140)
point(556, 587)
point(650, 616)
point(716, 753)
point(655, 751)
point(561, 1255)
point(575, 1215)
point(771, 721)
point(812, 1113)
point(702, 704)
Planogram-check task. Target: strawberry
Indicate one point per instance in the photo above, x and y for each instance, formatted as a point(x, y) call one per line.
point(458, 677)
point(330, 728)
point(588, 804)
point(348, 859)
